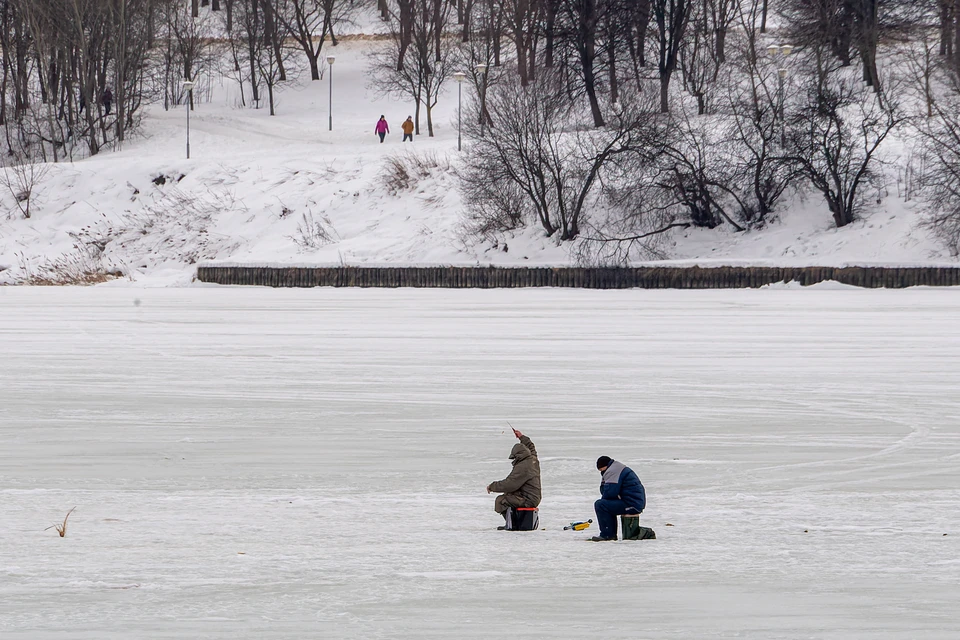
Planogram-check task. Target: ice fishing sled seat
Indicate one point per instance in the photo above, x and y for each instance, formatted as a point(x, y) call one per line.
point(523, 519)
point(631, 529)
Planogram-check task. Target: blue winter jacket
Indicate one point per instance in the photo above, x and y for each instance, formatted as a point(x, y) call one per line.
point(620, 482)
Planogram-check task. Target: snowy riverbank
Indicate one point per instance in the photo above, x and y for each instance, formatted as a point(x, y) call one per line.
point(283, 189)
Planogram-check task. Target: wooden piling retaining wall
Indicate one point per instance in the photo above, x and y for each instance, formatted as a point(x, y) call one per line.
point(578, 277)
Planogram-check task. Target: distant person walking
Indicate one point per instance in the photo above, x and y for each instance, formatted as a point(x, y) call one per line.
point(382, 128)
point(407, 127)
point(107, 100)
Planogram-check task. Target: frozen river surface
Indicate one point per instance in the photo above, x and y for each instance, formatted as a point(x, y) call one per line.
point(251, 463)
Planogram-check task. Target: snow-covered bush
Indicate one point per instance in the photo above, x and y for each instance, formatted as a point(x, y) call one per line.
point(314, 234)
point(84, 264)
point(404, 171)
point(835, 135)
point(543, 162)
point(20, 178)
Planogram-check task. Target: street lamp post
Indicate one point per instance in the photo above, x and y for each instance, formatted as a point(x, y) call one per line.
point(482, 70)
point(780, 52)
point(459, 76)
point(188, 87)
point(330, 61)
point(781, 74)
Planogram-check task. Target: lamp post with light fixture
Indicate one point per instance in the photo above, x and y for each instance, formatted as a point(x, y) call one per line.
point(459, 76)
point(188, 87)
point(780, 52)
point(330, 61)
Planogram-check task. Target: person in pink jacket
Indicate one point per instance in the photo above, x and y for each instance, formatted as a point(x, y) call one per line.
point(382, 128)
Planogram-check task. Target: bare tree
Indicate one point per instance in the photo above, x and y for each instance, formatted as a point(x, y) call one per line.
point(310, 22)
point(851, 28)
point(20, 176)
point(257, 50)
point(188, 51)
point(756, 96)
point(671, 18)
point(699, 64)
point(922, 64)
point(698, 168)
point(721, 15)
point(835, 135)
point(545, 166)
point(940, 175)
point(584, 18)
point(523, 20)
point(411, 65)
point(85, 61)
point(477, 56)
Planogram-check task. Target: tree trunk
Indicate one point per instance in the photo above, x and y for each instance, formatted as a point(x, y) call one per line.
point(956, 36)
point(466, 19)
point(151, 24)
point(946, 23)
point(497, 28)
point(416, 116)
point(842, 216)
point(406, 30)
point(614, 81)
point(612, 63)
point(758, 191)
point(587, 46)
point(21, 82)
point(550, 31)
point(591, 86)
point(438, 28)
point(273, 34)
point(3, 95)
point(522, 65)
point(642, 24)
point(532, 57)
point(254, 90)
point(665, 93)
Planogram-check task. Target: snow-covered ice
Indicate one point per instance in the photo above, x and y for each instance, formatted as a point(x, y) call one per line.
point(251, 463)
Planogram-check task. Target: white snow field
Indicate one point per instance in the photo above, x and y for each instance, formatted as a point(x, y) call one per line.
point(251, 463)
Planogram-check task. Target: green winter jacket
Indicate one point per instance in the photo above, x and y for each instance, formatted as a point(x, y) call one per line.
point(524, 480)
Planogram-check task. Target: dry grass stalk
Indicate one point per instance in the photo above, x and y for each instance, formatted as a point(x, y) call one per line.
point(61, 528)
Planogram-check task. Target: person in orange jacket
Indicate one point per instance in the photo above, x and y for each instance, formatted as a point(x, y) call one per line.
point(407, 127)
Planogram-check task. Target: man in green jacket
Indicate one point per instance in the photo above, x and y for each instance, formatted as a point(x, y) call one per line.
point(522, 487)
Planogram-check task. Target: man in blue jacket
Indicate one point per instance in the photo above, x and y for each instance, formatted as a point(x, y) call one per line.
point(620, 493)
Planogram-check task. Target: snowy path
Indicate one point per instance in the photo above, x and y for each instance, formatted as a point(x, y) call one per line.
point(251, 463)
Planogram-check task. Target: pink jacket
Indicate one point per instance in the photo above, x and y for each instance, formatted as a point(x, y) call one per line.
point(382, 126)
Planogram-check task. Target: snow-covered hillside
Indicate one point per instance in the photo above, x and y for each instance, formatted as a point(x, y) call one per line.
point(285, 189)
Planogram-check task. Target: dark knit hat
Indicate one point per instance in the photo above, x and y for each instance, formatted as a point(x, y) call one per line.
point(604, 461)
